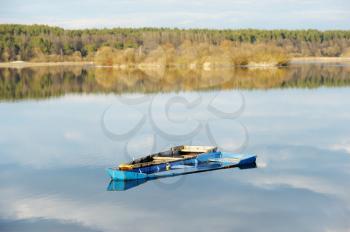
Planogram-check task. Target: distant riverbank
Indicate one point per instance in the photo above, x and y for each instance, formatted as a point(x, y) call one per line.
point(25, 64)
point(205, 66)
point(295, 60)
point(320, 59)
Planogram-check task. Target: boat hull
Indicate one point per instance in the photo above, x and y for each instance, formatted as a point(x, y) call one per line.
point(203, 162)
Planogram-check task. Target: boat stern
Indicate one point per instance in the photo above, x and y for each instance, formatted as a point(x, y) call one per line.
point(249, 159)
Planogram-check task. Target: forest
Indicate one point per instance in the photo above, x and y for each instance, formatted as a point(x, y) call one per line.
point(165, 46)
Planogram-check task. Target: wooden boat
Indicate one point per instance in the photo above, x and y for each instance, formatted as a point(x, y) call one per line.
point(179, 160)
point(123, 185)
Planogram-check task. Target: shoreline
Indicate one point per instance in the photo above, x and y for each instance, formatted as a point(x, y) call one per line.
point(294, 60)
point(319, 59)
point(25, 64)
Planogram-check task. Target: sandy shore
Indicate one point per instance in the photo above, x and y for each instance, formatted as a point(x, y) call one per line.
point(295, 60)
point(205, 66)
point(24, 64)
point(319, 60)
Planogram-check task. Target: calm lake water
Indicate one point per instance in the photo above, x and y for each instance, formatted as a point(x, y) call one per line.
point(60, 128)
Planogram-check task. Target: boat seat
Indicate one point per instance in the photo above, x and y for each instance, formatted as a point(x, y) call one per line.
point(197, 149)
point(163, 158)
point(190, 155)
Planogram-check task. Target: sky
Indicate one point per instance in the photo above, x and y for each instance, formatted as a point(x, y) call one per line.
point(217, 14)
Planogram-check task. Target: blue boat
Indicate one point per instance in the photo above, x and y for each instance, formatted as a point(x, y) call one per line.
point(123, 185)
point(179, 160)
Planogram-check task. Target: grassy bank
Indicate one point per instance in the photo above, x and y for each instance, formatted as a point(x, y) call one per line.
point(191, 55)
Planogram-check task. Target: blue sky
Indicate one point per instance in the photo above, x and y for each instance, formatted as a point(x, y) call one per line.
point(263, 14)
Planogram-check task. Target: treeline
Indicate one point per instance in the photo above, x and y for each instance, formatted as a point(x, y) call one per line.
point(46, 43)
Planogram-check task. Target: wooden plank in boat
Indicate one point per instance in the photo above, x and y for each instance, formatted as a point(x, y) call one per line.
point(197, 148)
point(164, 158)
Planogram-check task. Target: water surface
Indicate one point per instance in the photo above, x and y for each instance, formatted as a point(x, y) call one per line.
point(61, 127)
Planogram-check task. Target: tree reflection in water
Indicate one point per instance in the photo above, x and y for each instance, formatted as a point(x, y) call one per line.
point(44, 82)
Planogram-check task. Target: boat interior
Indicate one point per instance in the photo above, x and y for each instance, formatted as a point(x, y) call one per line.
point(174, 154)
